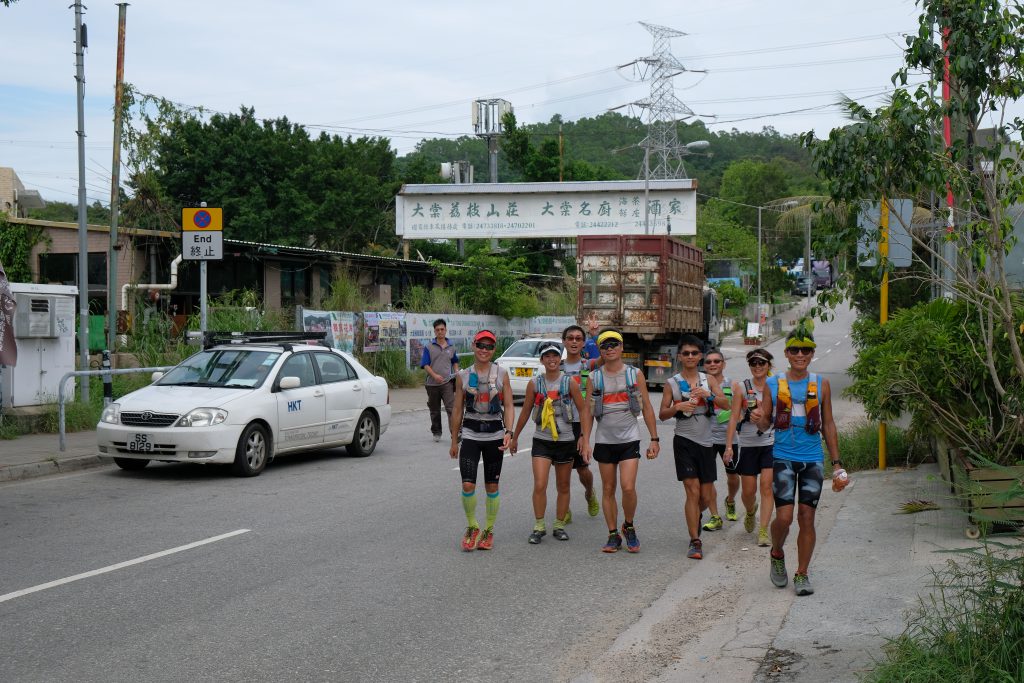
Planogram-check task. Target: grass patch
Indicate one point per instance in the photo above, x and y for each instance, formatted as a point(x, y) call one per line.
point(858, 448)
point(390, 364)
point(969, 629)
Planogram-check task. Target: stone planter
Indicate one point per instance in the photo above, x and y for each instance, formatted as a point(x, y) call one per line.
point(982, 491)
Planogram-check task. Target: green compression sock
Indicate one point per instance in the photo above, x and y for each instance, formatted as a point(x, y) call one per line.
point(492, 508)
point(539, 525)
point(469, 505)
point(559, 523)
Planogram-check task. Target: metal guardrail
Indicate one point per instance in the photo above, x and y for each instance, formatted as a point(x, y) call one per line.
point(61, 398)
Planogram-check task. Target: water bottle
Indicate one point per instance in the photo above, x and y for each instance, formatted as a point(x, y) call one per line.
point(840, 479)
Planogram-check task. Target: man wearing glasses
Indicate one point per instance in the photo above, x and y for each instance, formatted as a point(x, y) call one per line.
point(802, 405)
point(617, 396)
point(577, 367)
point(483, 415)
point(691, 399)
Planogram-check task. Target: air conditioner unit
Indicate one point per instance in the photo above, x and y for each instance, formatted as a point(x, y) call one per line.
point(35, 316)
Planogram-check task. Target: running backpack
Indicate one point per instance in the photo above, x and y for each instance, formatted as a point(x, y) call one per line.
point(562, 404)
point(681, 392)
point(784, 410)
point(492, 396)
point(632, 392)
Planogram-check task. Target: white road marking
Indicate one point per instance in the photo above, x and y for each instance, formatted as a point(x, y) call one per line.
point(837, 343)
point(828, 350)
point(119, 565)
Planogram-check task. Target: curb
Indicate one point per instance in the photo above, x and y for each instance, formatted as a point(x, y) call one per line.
point(31, 470)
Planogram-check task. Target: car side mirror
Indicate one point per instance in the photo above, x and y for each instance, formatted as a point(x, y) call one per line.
point(156, 376)
point(290, 383)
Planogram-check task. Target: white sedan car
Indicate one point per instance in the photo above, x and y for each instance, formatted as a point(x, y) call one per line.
point(522, 361)
point(246, 403)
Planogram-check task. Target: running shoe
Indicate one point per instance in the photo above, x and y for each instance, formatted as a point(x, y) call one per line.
point(696, 550)
point(560, 534)
point(593, 505)
point(730, 510)
point(713, 524)
point(802, 584)
point(778, 571)
point(632, 542)
point(469, 539)
point(437, 438)
point(763, 539)
point(748, 520)
point(486, 540)
point(613, 544)
point(536, 535)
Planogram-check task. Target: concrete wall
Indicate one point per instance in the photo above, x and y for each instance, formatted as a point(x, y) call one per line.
point(9, 182)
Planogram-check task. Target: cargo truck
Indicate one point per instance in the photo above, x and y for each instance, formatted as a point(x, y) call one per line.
point(652, 289)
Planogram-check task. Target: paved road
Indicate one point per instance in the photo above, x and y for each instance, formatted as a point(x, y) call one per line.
point(348, 569)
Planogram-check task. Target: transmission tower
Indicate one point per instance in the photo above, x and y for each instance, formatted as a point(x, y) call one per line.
point(663, 155)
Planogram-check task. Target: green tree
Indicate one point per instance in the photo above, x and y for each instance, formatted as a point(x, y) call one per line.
point(728, 239)
point(755, 183)
point(95, 213)
point(895, 151)
point(492, 284)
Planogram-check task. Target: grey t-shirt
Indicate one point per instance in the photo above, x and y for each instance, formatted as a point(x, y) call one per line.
point(746, 432)
point(484, 393)
point(718, 428)
point(697, 427)
point(618, 425)
point(563, 418)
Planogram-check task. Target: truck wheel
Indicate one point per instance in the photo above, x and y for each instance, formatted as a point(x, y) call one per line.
point(130, 464)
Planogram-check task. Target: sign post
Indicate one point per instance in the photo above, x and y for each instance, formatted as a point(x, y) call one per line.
point(202, 239)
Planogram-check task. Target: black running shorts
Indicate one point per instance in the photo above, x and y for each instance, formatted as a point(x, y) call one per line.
point(558, 452)
point(694, 461)
point(753, 459)
point(614, 453)
point(577, 459)
point(469, 460)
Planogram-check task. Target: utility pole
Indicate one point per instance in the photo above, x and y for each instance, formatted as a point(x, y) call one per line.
point(759, 304)
point(115, 184)
point(883, 260)
point(82, 42)
point(807, 264)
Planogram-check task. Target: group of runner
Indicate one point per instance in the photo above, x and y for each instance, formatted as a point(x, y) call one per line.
point(767, 429)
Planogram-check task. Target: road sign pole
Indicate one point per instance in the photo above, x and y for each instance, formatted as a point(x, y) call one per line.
point(202, 299)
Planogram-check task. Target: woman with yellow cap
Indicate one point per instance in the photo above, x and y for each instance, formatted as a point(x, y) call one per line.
point(801, 413)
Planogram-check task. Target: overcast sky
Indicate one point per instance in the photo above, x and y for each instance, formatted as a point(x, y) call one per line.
point(409, 69)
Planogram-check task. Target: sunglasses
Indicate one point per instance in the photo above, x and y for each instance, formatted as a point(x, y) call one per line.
point(757, 362)
point(576, 338)
point(799, 351)
point(689, 353)
point(711, 360)
point(484, 346)
point(612, 344)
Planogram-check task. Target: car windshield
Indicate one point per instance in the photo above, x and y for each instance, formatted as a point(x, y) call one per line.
point(524, 348)
point(241, 369)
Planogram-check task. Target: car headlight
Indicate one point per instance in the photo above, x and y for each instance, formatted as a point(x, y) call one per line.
point(111, 414)
point(203, 417)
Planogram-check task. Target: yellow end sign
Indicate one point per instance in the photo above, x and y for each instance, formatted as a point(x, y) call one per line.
point(204, 220)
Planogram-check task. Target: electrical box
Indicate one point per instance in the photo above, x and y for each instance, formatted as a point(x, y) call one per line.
point(35, 316)
point(44, 330)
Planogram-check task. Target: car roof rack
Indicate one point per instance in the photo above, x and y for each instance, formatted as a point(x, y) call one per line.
point(283, 339)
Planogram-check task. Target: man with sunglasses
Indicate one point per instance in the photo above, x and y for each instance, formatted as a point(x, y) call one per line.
point(801, 414)
point(577, 367)
point(617, 396)
point(483, 415)
point(690, 399)
point(714, 366)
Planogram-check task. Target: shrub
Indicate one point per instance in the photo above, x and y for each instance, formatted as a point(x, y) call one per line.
point(858, 447)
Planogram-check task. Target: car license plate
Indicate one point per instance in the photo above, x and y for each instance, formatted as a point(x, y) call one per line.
point(140, 443)
point(524, 372)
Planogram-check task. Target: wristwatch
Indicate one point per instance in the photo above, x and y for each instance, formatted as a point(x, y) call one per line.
point(655, 438)
point(837, 462)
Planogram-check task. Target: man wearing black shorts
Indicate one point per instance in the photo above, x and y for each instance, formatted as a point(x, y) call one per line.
point(617, 397)
point(688, 399)
point(578, 365)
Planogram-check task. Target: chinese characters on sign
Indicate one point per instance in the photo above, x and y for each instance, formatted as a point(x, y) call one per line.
point(202, 238)
point(546, 210)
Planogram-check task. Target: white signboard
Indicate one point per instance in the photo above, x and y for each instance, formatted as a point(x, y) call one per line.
point(202, 246)
point(546, 209)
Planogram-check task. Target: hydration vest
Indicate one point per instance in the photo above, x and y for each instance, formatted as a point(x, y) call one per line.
point(563, 404)
point(584, 373)
point(723, 416)
point(632, 392)
point(784, 409)
point(493, 397)
point(681, 392)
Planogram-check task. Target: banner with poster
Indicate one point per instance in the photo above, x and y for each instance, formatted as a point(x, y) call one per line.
point(462, 328)
point(340, 327)
point(8, 347)
point(384, 330)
